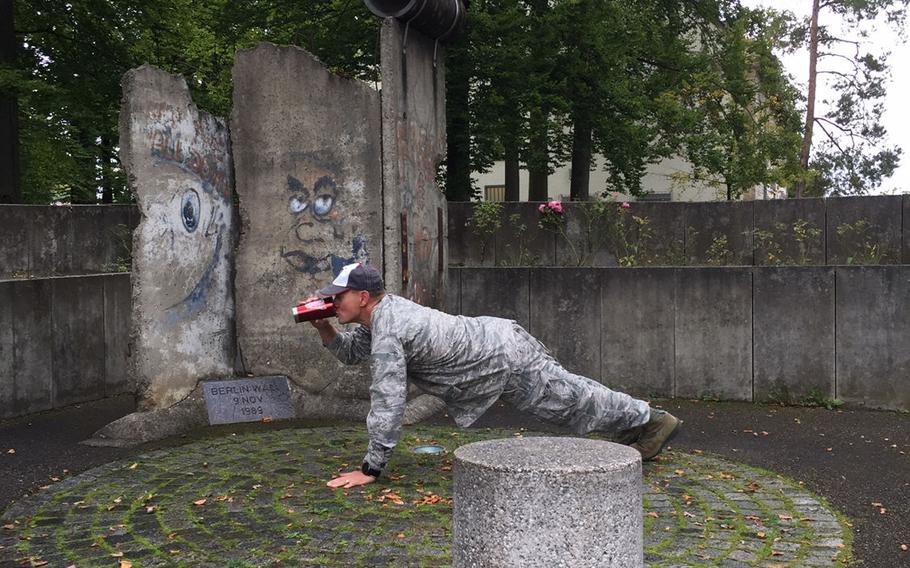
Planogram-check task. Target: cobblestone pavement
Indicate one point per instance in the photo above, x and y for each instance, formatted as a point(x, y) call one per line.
point(260, 499)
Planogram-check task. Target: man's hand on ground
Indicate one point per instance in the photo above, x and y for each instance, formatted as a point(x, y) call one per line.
point(351, 479)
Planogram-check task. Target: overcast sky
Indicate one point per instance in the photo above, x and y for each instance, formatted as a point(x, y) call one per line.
point(897, 105)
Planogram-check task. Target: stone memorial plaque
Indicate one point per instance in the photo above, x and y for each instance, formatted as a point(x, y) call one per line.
point(248, 400)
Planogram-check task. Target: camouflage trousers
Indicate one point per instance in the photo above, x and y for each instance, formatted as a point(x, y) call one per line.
point(540, 386)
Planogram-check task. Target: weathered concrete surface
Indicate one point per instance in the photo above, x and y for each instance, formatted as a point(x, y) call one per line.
point(714, 333)
point(179, 165)
point(583, 243)
point(78, 343)
point(26, 370)
point(864, 230)
point(45, 240)
point(793, 333)
point(666, 225)
point(565, 316)
point(541, 502)
point(719, 233)
point(15, 223)
point(519, 242)
point(413, 144)
point(873, 327)
point(463, 244)
point(789, 232)
point(453, 291)
point(499, 292)
point(637, 336)
point(307, 157)
point(61, 341)
point(905, 229)
point(117, 314)
point(190, 413)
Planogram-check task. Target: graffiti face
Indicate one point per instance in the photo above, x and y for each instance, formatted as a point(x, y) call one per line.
point(190, 219)
point(321, 238)
point(195, 225)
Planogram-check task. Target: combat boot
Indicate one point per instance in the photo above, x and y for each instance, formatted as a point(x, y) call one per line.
point(656, 433)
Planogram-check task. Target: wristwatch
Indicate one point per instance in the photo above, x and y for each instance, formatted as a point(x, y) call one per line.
point(367, 470)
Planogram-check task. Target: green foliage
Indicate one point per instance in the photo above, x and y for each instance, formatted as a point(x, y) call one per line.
point(719, 253)
point(860, 240)
point(770, 246)
point(524, 256)
point(850, 153)
point(638, 81)
point(485, 221)
point(737, 108)
point(816, 397)
point(68, 75)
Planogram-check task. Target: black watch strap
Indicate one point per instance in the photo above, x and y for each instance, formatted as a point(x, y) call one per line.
point(367, 470)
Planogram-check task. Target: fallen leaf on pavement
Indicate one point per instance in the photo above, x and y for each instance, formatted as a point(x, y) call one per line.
point(199, 502)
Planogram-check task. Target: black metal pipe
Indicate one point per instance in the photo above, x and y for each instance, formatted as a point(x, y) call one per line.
point(442, 20)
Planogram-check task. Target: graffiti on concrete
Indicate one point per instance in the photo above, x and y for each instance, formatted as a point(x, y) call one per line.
point(193, 220)
point(320, 235)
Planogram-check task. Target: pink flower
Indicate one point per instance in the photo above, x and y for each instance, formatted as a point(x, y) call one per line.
point(555, 206)
point(626, 205)
point(542, 208)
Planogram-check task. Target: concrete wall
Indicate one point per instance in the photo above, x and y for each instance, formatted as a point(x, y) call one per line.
point(413, 143)
point(62, 341)
point(307, 157)
point(179, 165)
point(789, 334)
point(835, 231)
point(42, 240)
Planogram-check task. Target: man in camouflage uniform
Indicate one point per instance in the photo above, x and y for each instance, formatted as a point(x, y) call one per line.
point(469, 363)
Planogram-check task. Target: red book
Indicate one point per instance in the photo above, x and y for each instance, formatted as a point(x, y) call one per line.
point(313, 310)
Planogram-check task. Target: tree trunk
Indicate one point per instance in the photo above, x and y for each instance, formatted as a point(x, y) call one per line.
point(458, 132)
point(538, 170)
point(810, 97)
point(10, 183)
point(513, 189)
point(580, 182)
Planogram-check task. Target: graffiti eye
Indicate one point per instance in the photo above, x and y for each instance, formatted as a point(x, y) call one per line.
point(297, 205)
point(323, 204)
point(189, 211)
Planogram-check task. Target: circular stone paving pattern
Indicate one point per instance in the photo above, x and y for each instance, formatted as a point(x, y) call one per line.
point(260, 500)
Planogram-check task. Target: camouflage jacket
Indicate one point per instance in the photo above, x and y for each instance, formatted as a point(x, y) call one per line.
point(462, 360)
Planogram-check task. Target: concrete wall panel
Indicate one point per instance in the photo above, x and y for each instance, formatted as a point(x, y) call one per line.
point(307, 152)
point(662, 235)
point(116, 333)
point(585, 242)
point(565, 316)
point(719, 233)
point(714, 333)
point(15, 221)
point(789, 232)
point(413, 144)
point(793, 333)
point(864, 230)
point(873, 327)
point(33, 328)
point(499, 292)
point(7, 350)
point(78, 340)
point(179, 165)
point(637, 340)
point(453, 291)
point(905, 229)
point(520, 242)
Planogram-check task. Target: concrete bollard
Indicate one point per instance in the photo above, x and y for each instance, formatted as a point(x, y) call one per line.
point(547, 502)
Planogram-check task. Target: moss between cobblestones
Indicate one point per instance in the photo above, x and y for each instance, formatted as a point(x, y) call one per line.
point(259, 499)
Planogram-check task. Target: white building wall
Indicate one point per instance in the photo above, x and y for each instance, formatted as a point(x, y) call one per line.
point(667, 176)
